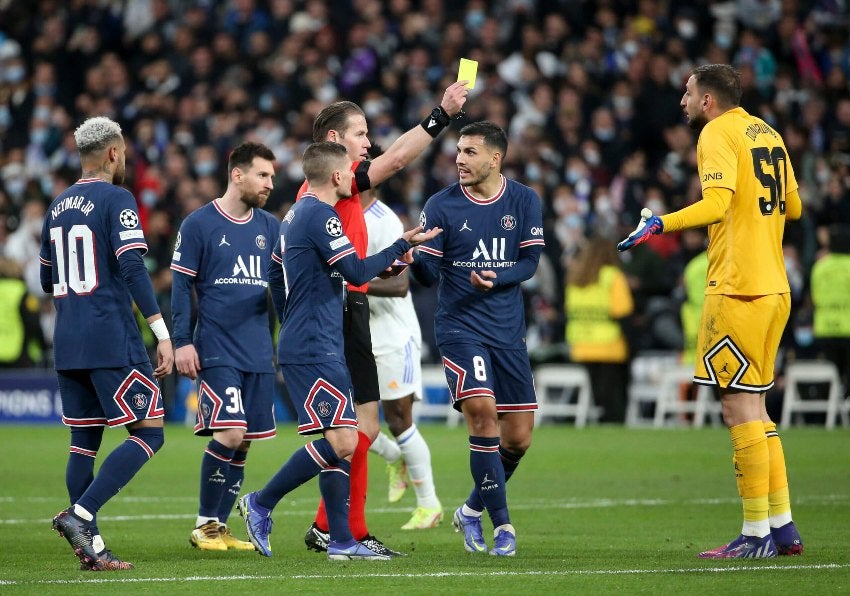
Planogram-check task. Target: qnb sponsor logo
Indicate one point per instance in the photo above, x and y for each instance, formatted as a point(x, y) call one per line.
point(22, 403)
point(496, 252)
point(245, 273)
point(536, 231)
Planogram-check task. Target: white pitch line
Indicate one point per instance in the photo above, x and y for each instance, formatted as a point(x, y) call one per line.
point(442, 574)
point(523, 505)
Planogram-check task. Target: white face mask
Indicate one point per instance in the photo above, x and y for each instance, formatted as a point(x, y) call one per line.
point(687, 29)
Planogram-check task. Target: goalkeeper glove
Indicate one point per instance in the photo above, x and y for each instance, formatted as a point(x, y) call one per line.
point(650, 225)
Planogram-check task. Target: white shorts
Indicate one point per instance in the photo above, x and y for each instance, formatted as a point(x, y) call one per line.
point(400, 372)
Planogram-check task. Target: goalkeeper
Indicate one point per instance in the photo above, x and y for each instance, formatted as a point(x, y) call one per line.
point(748, 192)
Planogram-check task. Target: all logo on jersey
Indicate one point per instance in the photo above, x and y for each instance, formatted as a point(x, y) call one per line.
point(333, 226)
point(488, 253)
point(251, 269)
point(508, 222)
point(495, 252)
point(128, 218)
point(261, 241)
point(247, 271)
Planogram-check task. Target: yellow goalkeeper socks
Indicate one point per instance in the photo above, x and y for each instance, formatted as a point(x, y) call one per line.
point(752, 473)
point(778, 498)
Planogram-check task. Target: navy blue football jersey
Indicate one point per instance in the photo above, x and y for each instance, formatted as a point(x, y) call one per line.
point(316, 257)
point(503, 233)
point(228, 260)
point(86, 229)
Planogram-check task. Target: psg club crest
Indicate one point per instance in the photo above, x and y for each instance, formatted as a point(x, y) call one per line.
point(333, 226)
point(261, 242)
point(508, 222)
point(324, 409)
point(139, 401)
point(205, 410)
point(128, 218)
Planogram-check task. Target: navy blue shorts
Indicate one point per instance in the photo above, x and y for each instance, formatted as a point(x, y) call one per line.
point(231, 398)
point(477, 370)
point(109, 396)
point(322, 395)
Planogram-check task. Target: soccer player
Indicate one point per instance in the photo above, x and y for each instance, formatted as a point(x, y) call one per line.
point(223, 251)
point(492, 240)
point(397, 345)
point(91, 261)
point(313, 257)
point(748, 192)
point(344, 122)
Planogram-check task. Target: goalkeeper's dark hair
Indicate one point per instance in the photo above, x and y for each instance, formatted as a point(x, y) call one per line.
point(722, 81)
point(334, 117)
point(243, 155)
point(321, 160)
point(494, 136)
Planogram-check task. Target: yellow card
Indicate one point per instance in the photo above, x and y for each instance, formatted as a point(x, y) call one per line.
point(466, 72)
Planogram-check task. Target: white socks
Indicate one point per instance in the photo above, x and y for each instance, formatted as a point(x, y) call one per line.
point(386, 448)
point(415, 451)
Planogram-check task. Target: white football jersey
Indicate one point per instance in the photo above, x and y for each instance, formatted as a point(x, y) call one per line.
point(392, 321)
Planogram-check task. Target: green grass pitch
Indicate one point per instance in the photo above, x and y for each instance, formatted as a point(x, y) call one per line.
point(598, 510)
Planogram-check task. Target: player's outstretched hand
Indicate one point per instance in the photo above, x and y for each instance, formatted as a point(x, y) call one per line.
point(164, 359)
point(454, 98)
point(481, 281)
point(416, 236)
point(650, 225)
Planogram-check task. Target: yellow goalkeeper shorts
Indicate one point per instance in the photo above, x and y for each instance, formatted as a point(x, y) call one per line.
point(738, 340)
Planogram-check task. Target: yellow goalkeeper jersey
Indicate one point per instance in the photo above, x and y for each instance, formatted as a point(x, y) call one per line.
point(742, 153)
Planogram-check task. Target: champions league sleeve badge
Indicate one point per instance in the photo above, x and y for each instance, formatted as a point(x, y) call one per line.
point(128, 218)
point(333, 226)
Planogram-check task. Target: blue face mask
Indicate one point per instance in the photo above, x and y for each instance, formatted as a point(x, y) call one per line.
point(573, 176)
point(205, 168)
point(39, 136)
point(804, 336)
point(16, 187)
point(15, 74)
point(723, 40)
point(474, 19)
point(605, 134)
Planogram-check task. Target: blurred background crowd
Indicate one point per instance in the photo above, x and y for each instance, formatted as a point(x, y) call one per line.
point(588, 92)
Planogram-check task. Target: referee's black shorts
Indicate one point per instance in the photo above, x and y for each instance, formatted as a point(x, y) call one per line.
point(358, 348)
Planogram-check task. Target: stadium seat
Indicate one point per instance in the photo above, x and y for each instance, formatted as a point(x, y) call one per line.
point(435, 402)
point(671, 407)
point(813, 371)
point(564, 391)
point(646, 371)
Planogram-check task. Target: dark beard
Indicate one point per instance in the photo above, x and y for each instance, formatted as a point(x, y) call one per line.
point(254, 201)
point(698, 123)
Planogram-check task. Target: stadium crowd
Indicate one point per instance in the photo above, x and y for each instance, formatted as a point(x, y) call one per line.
point(588, 92)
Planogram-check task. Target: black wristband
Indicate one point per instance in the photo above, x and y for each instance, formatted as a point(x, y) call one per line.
point(435, 122)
